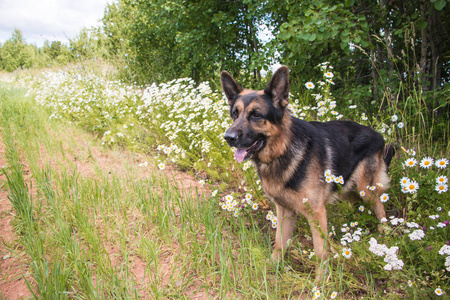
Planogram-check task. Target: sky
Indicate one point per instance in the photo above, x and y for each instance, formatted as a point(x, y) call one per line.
point(52, 20)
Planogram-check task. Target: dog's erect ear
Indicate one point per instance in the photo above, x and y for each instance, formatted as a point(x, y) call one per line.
point(229, 86)
point(278, 87)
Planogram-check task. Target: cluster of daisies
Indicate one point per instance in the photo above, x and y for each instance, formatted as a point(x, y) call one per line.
point(324, 110)
point(410, 186)
point(232, 205)
point(318, 294)
point(351, 234)
point(330, 178)
point(414, 230)
point(272, 218)
point(394, 119)
point(173, 151)
point(325, 67)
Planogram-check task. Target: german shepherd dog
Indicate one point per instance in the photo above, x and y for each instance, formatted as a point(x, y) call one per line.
point(292, 155)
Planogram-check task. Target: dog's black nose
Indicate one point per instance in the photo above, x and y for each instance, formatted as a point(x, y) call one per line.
point(231, 137)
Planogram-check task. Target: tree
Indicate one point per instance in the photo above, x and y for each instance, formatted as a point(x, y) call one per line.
point(15, 53)
point(171, 39)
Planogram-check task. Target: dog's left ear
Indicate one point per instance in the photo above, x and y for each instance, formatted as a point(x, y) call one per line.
point(278, 87)
point(229, 87)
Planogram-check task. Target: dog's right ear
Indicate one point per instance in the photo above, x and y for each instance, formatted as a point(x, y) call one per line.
point(229, 87)
point(278, 87)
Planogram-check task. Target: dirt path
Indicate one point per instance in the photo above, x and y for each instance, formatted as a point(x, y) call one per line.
point(13, 261)
point(88, 156)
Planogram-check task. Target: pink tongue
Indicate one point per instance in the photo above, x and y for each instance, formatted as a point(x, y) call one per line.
point(240, 154)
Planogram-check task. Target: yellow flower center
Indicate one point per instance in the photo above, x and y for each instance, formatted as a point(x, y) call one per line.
point(427, 163)
point(411, 186)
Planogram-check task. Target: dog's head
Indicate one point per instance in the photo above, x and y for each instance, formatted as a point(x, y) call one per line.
point(257, 115)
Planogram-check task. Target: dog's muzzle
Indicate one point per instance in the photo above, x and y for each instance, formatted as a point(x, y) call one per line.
point(243, 152)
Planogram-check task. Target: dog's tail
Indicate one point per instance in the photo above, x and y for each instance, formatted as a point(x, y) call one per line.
point(388, 153)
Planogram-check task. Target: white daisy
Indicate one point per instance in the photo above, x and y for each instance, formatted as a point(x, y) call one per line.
point(441, 163)
point(426, 162)
point(384, 197)
point(309, 85)
point(441, 188)
point(410, 162)
point(442, 179)
point(412, 187)
point(347, 252)
point(404, 181)
point(439, 291)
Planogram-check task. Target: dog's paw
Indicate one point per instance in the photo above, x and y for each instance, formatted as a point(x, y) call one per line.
point(277, 255)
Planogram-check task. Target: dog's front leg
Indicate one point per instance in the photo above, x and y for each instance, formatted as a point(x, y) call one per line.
point(318, 224)
point(285, 227)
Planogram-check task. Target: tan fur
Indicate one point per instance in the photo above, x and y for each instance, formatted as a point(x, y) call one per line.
point(277, 141)
point(239, 105)
point(247, 91)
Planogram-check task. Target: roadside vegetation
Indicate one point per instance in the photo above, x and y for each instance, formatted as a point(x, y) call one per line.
point(96, 136)
point(93, 230)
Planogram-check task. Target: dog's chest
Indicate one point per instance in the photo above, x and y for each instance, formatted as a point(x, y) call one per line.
point(274, 190)
point(274, 184)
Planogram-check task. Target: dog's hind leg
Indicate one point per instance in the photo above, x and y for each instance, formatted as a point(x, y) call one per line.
point(381, 180)
point(286, 223)
point(374, 183)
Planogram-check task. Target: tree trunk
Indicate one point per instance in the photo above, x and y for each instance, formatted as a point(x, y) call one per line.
point(253, 41)
point(424, 47)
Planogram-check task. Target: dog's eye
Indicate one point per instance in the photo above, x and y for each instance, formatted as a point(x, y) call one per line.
point(235, 114)
point(256, 115)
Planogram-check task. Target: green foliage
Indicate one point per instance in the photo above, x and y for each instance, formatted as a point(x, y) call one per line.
point(88, 44)
point(15, 53)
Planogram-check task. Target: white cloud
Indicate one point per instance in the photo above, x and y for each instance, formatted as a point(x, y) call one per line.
point(41, 20)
